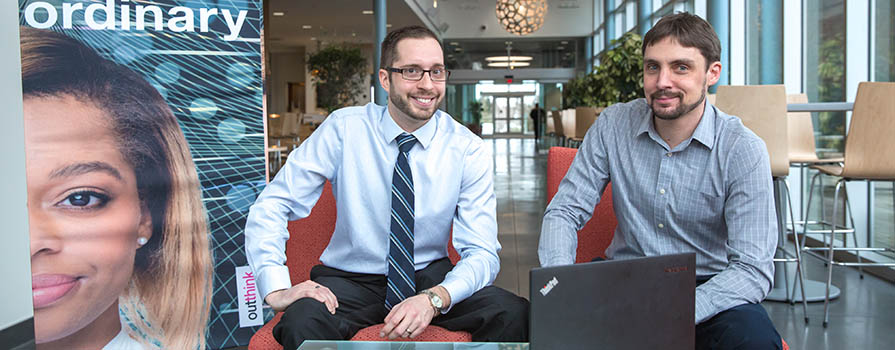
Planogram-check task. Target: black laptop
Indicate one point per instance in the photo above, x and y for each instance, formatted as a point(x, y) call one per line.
point(643, 303)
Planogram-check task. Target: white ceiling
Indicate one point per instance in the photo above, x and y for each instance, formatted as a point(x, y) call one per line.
point(331, 21)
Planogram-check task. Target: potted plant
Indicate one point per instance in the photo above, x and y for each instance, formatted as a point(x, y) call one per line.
point(339, 72)
point(475, 112)
point(618, 78)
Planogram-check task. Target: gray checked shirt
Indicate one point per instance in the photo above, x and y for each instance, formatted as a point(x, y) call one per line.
point(711, 195)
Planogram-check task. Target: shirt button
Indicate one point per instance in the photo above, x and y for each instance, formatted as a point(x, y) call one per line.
point(662, 191)
point(661, 225)
point(668, 154)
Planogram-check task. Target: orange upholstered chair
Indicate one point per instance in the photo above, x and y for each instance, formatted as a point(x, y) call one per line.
point(308, 238)
point(595, 236)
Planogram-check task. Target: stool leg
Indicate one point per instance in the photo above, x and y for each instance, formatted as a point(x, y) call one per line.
point(781, 230)
point(799, 268)
point(830, 256)
point(823, 211)
point(808, 210)
point(854, 234)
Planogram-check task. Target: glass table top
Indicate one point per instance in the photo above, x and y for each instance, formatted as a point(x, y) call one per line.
point(383, 345)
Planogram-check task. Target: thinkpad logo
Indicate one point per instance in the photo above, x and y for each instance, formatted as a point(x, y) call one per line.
point(549, 286)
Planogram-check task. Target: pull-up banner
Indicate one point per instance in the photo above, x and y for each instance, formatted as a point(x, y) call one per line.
point(144, 142)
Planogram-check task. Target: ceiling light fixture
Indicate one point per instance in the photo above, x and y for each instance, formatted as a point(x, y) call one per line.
point(507, 58)
point(367, 12)
point(521, 17)
point(278, 13)
point(509, 64)
point(306, 26)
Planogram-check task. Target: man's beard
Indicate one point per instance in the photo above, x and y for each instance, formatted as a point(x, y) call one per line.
point(681, 108)
point(403, 105)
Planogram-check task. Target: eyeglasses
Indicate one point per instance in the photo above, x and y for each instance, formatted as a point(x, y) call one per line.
point(416, 74)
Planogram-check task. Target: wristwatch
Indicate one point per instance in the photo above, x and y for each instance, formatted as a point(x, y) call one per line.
point(435, 300)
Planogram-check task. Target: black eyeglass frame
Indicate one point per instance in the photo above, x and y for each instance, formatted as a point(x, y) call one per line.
point(424, 71)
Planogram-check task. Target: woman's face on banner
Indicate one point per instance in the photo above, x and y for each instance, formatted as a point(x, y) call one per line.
point(84, 213)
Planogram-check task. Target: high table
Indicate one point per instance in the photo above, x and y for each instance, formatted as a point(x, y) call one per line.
point(384, 345)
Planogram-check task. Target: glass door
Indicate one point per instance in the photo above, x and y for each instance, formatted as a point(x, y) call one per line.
point(509, 115)
point(501, 115)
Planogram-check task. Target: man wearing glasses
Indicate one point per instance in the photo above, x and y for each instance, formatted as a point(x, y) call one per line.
point(408, 180)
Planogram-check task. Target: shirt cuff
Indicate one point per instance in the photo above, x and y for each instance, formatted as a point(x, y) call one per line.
point(273, 278)
point(457, 289)
point(704, 307)
point(559, 261)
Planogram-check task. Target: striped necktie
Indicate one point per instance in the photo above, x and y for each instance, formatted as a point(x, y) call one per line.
point(401, 283)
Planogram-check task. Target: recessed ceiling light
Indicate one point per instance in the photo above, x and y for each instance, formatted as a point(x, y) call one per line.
point(454, 43)
point(564, 42)
point(508, 64)
point(279, 13)
point(560, 48)
point(389, 25)
point(306, 26)
point(504, 58)
point(367, 12)
point(313, 38)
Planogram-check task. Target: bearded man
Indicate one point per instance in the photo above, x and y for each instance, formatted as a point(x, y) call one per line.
point(686, 178)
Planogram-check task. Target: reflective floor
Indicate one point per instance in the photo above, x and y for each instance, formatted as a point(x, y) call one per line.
point(862, 318)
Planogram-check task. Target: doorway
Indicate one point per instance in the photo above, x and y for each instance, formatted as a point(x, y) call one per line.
point(509, 113)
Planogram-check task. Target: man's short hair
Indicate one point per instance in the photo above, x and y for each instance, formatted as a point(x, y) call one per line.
point(390, 44)
point(689, 31)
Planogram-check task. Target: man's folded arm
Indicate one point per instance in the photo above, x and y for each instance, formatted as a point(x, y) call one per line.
point(751, 218)
point(573, 205)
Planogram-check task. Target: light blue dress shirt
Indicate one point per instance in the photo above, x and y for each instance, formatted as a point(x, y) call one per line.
point(355, 149)
point(711, 195)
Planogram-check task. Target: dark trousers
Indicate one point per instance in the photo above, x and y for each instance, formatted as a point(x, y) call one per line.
point(741, 327)
point(537, 128)
point(491, 314)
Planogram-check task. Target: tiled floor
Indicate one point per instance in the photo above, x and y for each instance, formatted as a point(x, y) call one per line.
point(862, 318)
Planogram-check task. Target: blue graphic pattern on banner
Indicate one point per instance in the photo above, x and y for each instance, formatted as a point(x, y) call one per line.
point(214, 88)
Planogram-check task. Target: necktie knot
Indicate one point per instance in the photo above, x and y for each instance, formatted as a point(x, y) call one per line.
point(405, 142)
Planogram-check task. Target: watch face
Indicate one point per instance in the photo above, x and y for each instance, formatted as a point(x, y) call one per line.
point(436, 300)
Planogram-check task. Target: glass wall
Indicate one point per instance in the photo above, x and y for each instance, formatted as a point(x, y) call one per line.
point(884, 41)
point(666, 7)
point(824, 70)
point(883, 58)
point(764, 42)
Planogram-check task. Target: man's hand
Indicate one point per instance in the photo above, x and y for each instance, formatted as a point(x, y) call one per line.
point(281, 299)
point(409, 318)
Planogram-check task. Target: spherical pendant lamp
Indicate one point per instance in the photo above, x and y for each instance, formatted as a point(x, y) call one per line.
point(521, 17)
